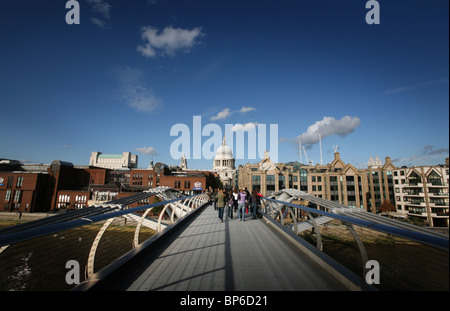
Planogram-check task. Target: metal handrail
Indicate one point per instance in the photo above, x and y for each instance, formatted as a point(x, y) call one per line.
point(11, 238)
point(431, 240)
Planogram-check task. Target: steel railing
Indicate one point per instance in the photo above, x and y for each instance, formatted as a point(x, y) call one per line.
point(34, 255)
point(411, 257)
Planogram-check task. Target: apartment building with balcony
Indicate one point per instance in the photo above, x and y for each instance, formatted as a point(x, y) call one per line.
point(423, 192)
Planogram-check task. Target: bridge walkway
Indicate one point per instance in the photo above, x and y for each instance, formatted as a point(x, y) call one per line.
point(209, 255)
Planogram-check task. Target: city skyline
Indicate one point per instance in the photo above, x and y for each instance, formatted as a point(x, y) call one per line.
point(122, 78)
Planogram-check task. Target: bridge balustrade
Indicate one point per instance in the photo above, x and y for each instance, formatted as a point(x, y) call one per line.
point(57, 252)
point(409, 257)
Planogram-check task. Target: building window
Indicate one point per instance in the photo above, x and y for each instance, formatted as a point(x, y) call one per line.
point(281, 182)
point(270, 182)
point(303, 180)
point(19, 182)
point(10, 182)
point(414, 179)
point(64, 198)
point(256, 182)
point(8, 195)
point(303, 176)
point(80, 199)
point(434, 179)
point(18, 196)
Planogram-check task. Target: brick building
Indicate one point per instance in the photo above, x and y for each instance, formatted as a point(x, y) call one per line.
point(61, 185)
point(25, 192)
point(40, 188)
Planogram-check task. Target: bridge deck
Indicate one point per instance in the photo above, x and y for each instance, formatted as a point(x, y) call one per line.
point(230, 255)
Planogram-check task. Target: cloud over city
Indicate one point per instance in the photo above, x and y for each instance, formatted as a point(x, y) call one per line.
point(416, 86)
point(328, 126)
point(244, 127)
point(427, 154)
point(147, 150)
point(103, 9)
point(168, 41)
point(135, 92)
point(225, 113)
point(431, 150)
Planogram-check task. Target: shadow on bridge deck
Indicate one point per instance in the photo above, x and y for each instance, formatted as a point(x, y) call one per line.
point(205, 254)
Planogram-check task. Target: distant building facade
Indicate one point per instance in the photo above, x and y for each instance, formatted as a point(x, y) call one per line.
point(25, 191)
point(47, 187)
point(337, 181)
point(29, 188)
point(113, 161)
point(416, 191)
point(423, 191)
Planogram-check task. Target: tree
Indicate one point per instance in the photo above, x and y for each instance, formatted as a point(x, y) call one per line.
point(387, 207)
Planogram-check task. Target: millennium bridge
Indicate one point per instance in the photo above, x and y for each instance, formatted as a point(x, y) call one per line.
point(299, 243)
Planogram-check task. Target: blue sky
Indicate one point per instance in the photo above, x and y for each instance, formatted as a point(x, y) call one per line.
point(131, 70)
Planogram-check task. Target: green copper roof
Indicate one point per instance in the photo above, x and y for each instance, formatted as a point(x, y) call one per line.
point(110, 156)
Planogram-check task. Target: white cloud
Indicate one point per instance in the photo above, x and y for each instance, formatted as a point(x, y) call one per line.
point(246, 127)
point(168, 41)
point(101, 7)
point(416, 86)
point(247, 109)
point(104, 9)
point(327, 127)
point(430, 150)
point(147, 150)
point(227, 112)
point(98, 22)
point(135, 92)
point(141, 98)
point(222, 115)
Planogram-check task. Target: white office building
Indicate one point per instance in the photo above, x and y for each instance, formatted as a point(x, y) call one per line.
point(113, 161)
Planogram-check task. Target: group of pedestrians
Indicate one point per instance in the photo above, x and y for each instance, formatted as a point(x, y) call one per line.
point(240, 201)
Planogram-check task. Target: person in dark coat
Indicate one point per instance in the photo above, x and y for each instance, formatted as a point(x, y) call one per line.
point(221, 199)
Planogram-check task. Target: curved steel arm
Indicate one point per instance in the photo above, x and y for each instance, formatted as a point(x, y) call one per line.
point(7, 239)
point(428, 239)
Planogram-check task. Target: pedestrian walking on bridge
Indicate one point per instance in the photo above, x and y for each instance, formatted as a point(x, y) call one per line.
point(241, 205)
point(221, 199)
